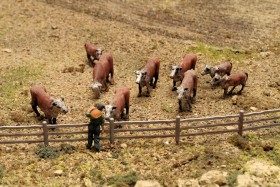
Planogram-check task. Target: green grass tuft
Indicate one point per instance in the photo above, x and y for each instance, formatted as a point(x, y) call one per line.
point(215, 53)
point(47, 151)
point(129, 179)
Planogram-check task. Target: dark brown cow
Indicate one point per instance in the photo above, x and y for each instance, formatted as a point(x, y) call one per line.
point(103, 68)
point(177, 71)
point(93, 53)
point(232, 80)
point(50, 106)
point(148, 75)
point(119, 103)
point(188, 85)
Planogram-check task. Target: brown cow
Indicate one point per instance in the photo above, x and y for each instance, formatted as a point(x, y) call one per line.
point(119, 103)
point(50, 106)
point(232, 80)
point(221, 69)
point(93, 53)
point(177, 71)
point(146, 76)
point(188, 85)
point(103, 68)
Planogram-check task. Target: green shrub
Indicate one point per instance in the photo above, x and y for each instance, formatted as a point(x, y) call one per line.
point(240, 142)
point(96, 175)
point(232, 177)
point(47, 151)
point(123, 180)
point(2, 169)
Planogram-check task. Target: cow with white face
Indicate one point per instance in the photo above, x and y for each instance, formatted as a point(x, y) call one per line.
point(148, 75)
point(187, 87)
point(120, 102)
point(177, 71)
point(221, 69)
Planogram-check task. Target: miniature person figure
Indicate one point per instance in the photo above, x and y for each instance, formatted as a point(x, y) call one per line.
point(95, 126)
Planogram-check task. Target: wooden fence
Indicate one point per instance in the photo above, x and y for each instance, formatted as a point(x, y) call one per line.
point(176, 128)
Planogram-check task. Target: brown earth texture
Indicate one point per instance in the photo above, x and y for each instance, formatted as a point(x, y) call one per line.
point(42, 42)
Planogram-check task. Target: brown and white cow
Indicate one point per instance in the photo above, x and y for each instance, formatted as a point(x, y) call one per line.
point(120, 102)
point(148, 75)
point(50, 106)
point(187, 87)
point(232, 80)
point(103, 68)
point(222, 69)
point(93, 53)
point(177, 71)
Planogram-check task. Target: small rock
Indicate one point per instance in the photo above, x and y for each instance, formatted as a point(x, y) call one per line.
point(87, 182)
point(253, 108)
point(123, 145)
point(54, 27)
point(58, 172)
point(7, 50)
point(266, 93)
point(148, 183)
point(188, 183)
point(234, 99)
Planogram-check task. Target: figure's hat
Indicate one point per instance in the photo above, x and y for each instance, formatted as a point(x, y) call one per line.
point(95, 113)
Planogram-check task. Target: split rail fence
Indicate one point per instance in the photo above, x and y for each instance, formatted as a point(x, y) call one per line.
point(174, 128)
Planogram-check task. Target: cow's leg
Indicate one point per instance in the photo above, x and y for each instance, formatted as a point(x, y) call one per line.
point(180, 105)
point(54, 120)
point(90, 60)
point(34, 105)
point(230, 92)
point(225, 92)
point(194, 95)
point(127, 112)
point(174, 88)
point(106, 87)
point(107, 78)
point(155, 83)
point(140, 90)
point(112, 77)
point(240, 91)
point(189, 105)
point(148, 91)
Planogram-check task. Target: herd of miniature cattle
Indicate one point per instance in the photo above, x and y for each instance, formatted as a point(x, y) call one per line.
point(147, 76)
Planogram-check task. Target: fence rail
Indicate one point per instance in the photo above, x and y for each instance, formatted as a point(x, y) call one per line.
point(178, 128)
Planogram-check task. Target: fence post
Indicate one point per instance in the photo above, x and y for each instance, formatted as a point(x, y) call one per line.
point(240, 122)
point(111, 121)
point(45, 133)
point(177, 130)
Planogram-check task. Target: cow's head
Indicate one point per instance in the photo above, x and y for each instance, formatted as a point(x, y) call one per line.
point(59, 105)
point(207, 70)
point(216, 79)
point(96, 88)
point(98, 53)
point(140, 76)
point(110, 111)
point(181, 91)
point(175, 70)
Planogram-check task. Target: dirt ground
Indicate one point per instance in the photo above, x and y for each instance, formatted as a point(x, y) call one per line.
point(42, 42)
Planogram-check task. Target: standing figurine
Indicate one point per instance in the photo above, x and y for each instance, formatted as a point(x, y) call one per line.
point(95, 126)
